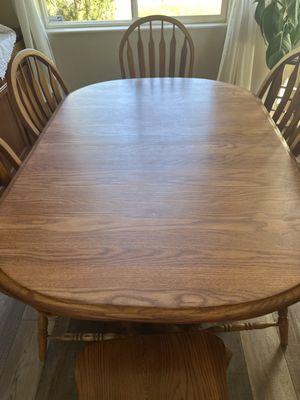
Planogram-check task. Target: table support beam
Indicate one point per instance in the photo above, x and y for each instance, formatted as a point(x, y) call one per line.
point(97, 337)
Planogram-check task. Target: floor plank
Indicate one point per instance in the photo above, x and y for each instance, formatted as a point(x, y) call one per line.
point(58, 380)
point(259, 369)
point(56, 357)
point(292, 352)
point(22, 366)
point(267, 367)
point(11, 312)
point(238, 379)
point(30, 314)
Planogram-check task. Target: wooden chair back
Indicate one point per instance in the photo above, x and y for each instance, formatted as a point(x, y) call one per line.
point(154, 367)
point(9, 163)
point(280, 93)
point(37, 88)
point(147, 54)
point(296, 147)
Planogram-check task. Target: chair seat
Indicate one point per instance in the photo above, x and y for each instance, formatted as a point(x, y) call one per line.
point(180, 366)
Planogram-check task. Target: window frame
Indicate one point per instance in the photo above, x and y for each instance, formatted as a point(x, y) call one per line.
point(193, 19)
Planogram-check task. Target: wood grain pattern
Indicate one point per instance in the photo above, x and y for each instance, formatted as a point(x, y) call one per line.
point(283, 323)
point(186, 61)
point(36, 87)
point(42, 336)
point(57, 380)
point(159, 367)
point(172, 215)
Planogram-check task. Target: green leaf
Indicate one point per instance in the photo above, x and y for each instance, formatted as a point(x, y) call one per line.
point(273, 19)
point(279, 21)
point(295, 36)
point(289, 27)
point(286, 44)
point(273, 58)
point(295, 33)
point(275, 43)
point(260, 8)
point(292, 10)
point(279, 46)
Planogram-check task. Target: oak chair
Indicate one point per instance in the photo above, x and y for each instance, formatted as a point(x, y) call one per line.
point(296, 147)
point(154, 60)
point(280, 93)
point(185, 366)
point(37, 89)
point(9, 163)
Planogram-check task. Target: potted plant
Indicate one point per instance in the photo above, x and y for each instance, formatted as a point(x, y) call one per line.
point(279, 22)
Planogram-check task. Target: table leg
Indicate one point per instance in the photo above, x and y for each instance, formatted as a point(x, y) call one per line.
point(283, 324)
point(42, 336)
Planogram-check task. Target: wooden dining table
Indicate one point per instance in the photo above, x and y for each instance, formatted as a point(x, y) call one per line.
point(155, 200)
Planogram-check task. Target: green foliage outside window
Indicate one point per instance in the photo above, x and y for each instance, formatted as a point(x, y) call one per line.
point(82, 10)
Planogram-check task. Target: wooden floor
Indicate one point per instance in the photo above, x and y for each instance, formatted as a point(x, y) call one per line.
point(259, 369)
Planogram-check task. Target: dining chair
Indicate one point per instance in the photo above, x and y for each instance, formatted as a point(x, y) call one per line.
point(296, 147)
point(280, 93)
point(185, 366)
point(154, 59)
point(9, 163)
point(37, 89)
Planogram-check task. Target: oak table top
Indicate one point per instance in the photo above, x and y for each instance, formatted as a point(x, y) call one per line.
point(163, 200)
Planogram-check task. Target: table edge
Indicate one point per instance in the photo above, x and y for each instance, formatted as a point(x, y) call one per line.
point(230, 312)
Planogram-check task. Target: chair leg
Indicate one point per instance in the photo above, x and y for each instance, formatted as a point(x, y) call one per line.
point(42, 336)
point(283, 324)
point(228, 355)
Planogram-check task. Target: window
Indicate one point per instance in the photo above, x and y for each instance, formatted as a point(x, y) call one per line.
point(179, 7)
point(90, 12)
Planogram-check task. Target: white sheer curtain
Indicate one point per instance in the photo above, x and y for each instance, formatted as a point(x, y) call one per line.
point(238, 57)
point(33, 29)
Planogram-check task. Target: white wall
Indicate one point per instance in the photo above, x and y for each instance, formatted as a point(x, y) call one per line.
point(91, 55)
point(7, 14)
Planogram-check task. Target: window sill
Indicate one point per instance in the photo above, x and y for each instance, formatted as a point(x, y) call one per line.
point(89, 29)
